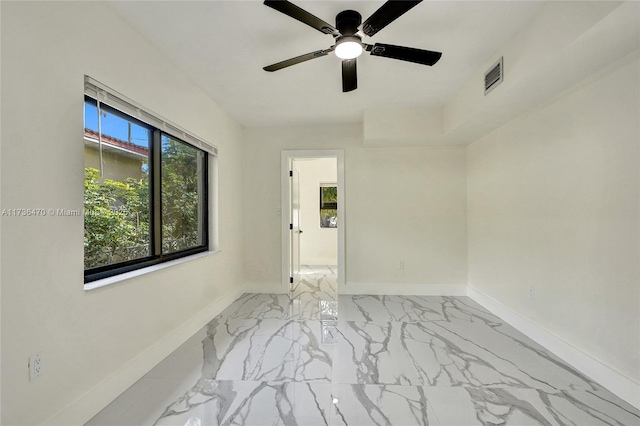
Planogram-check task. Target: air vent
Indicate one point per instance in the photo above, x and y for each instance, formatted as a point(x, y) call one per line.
point(493, 77)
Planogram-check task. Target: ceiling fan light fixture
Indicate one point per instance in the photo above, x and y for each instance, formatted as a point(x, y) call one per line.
point(349, 47)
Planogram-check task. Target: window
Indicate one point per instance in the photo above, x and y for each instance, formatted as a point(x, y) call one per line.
point(183, 196)
point(145, 190)
point(328, 205)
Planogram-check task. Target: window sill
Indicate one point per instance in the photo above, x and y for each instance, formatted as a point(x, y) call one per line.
point(144, 271)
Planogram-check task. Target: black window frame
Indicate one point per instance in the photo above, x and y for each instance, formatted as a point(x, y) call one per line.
point(327, 205)
point(155, 205)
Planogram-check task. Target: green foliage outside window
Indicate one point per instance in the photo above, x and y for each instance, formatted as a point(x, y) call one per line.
point(180, 196)
point(328, 206)
point(116, 222)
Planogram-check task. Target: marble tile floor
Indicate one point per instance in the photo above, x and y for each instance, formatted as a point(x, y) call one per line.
point(385, 360)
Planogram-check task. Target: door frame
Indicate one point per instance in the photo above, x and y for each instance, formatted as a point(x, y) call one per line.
point(287, 156)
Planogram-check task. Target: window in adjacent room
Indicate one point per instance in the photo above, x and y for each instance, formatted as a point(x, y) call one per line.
point(328, 205)
point(145, 189)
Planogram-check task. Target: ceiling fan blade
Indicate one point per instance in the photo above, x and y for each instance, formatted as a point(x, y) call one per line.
point(349, 75)
point(388, 12)
point(301, 15)
point(298, 59)
point(409, 54)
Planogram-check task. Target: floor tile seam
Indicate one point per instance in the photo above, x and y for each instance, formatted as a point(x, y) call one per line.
point(267, 381)
point(391, 321)
point(492, 386)
point(282, 381)
point(337, 382)
point(396, 385)
point(248, 318)
point(505, 386)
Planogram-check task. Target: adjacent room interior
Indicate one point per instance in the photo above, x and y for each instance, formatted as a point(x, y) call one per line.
point(470, 250)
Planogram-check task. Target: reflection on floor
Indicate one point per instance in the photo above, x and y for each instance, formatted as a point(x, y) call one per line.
point(365, 360)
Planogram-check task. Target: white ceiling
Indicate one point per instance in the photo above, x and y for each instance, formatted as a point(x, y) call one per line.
point(223, 45)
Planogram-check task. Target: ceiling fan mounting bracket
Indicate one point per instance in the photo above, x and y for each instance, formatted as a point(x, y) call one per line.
point(348, 21)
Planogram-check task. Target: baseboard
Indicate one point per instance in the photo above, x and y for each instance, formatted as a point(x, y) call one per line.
point(376, 289)
point(404, 289)
point(92, 402)
point(621, 385)
point(319, 261)
point(264, 287)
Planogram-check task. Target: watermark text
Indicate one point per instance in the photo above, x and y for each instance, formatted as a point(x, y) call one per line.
point(61, 212)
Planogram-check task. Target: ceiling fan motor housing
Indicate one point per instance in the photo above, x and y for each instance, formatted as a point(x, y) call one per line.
point(348, 21)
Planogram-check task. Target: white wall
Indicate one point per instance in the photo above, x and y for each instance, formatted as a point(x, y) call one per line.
point(318, 246)
point(401, 204)
point(553, 201)
point(89, 338)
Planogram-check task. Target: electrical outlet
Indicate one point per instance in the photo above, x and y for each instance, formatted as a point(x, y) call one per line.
point(532, 293)
point(36, 367)
point(400, 264)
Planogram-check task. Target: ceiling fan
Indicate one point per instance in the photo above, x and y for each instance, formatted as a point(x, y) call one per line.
point(348, 34)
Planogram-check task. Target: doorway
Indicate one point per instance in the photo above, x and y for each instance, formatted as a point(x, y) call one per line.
point(313, 232)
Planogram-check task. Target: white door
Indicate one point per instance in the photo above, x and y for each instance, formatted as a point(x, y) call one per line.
point(295, 228)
